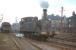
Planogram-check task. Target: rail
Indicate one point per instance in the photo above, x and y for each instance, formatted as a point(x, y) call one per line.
point(20, 43)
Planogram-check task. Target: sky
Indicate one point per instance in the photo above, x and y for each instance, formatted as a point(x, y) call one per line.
point(11, 10)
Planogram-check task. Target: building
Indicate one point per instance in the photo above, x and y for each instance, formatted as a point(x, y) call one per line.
point(72, 23)
point(56, 22)
point(15, 27)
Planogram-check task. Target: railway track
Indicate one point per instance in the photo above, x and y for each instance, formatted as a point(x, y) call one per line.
point(56, 44)
point(63, 43)
point(23, 44)
point(16, 42)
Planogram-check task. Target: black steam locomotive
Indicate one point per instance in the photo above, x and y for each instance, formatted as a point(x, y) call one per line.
point(32, 28)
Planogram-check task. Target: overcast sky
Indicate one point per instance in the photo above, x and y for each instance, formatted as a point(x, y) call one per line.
point(24, 8)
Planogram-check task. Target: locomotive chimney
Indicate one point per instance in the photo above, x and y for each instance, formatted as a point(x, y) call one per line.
point(44, 14)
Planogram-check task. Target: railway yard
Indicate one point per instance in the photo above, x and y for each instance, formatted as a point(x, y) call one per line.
point(51, 32)
point(11, 42)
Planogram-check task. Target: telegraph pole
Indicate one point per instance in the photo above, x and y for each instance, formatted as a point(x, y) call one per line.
point(62, 9)
point(1, 17)
point(16, 19)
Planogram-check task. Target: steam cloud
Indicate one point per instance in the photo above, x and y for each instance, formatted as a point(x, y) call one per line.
point(44, 4)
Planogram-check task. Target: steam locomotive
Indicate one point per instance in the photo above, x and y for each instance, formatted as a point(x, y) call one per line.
point(5, 27)
point(32, 28)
